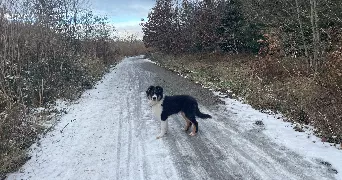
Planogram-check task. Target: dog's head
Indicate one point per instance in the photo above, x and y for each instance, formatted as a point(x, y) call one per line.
point(154, 93)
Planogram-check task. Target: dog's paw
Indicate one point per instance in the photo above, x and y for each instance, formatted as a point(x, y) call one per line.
point(186, 129)
point(160, 136)
point(192, 134)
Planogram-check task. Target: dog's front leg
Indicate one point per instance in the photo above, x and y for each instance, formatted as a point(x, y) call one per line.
point(163, 129)
point(167, 126)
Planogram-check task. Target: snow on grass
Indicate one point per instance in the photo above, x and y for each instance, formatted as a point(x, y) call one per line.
point(303, 143)
point(147, 60)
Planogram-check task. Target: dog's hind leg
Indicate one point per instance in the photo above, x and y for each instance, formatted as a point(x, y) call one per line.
point(188, 122)
point(194, 129)
point(192, 118)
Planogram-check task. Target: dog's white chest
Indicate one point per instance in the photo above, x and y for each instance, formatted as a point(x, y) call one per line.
point(157, 110)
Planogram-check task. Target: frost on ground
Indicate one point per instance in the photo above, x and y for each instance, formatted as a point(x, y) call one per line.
point(109, 133)
point(303, 143)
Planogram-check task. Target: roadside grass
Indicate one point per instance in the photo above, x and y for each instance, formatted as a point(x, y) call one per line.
point(280, 85)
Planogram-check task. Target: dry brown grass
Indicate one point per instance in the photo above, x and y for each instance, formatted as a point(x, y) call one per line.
point(128, 48)
point(282, 85)
point(18, 131)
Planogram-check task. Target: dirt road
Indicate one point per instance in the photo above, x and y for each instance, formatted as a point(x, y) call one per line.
point(110, 134)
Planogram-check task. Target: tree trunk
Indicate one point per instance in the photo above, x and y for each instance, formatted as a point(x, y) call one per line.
point(302, 32)
point(315, 33)
point(235, 46)
point(317, 43)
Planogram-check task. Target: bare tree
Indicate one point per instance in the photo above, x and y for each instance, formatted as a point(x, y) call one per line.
point(315, 33)
point(301, 29)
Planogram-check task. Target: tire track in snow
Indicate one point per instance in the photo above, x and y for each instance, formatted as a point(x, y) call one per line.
point(261, 153)
point(118, 147)
point(133, 105)
point(198, 160)
point(129, 136)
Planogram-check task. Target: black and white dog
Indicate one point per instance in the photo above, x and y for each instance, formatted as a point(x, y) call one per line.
point(165, 106)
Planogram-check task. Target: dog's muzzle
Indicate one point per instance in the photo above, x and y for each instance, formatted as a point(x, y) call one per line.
point(154, 97)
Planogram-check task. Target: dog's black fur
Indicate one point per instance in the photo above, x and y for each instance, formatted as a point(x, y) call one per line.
point(175, 104)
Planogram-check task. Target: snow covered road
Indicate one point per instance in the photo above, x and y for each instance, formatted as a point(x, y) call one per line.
point(110, 134)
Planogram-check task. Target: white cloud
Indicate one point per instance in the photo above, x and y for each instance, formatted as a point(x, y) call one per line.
point(125, 15)
point(120, 8)
point(128, 28)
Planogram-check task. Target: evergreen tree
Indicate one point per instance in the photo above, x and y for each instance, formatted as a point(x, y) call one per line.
point(158, 29)
point(235, 33)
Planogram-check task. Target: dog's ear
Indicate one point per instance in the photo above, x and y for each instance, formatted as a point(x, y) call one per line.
point(159, 89)
point(149, 89)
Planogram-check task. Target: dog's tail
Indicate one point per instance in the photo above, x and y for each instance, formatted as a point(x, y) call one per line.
point(201, 115)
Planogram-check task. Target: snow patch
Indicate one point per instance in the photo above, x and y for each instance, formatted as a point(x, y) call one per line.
point(148, 60)
point(281, 132)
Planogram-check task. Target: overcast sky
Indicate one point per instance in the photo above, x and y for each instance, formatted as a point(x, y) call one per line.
point(124, 14)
